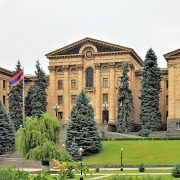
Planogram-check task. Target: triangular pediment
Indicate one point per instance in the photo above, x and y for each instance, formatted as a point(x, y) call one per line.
point(172, 55)
point(74, 48)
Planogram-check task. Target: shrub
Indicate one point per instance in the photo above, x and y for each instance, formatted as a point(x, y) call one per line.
point(97, 170)
point(141, 168)
point(176, 171)
point(70, 174)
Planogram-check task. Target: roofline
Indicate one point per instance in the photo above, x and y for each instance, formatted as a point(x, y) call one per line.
point(167, 55)
point(6, 72)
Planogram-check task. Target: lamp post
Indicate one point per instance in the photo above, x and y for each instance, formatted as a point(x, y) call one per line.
point(105, 106)
point(56, 109)
point(121, 159)
point(80, 153)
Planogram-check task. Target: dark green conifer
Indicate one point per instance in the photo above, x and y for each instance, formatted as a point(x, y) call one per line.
point(125, 103)
point(7, 133)
point(82, 127)
point(149, 113)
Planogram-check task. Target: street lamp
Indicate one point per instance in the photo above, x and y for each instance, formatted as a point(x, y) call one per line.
point(80, 153)
point(105, 106)
point(121, 159)
point(56, 109)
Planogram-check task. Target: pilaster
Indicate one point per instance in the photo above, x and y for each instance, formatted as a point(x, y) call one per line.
point(80, 76)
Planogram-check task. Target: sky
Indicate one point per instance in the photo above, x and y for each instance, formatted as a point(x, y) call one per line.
point(29, 29)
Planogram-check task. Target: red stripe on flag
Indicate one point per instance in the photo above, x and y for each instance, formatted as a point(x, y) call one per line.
point(15, 76)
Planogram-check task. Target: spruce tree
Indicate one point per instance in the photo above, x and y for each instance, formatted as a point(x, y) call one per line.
point(16, 101)
point(36, 99)
point(149, 113)
point(7, 133)
point(125, 103)
point(74, 151)
point(82, 127)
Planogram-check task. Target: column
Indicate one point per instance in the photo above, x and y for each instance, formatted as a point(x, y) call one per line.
point(112, 106)
point(80, 77)
point(98, 93)
point(66, 109)
point(52, 99)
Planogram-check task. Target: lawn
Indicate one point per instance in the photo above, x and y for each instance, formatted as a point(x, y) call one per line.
point(137, 152)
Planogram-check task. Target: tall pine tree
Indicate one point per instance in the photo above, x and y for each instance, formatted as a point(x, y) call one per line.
point(125, 103)
point(36, 99)
point(16, 101)
point(7, 133)
point(149, 113)
point(82, 127)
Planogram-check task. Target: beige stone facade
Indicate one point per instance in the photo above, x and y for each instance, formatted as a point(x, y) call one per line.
point(70, 64)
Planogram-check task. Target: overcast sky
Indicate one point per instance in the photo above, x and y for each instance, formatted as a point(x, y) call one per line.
point(31, 28)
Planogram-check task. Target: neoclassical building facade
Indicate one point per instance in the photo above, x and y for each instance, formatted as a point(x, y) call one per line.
point(96, 67)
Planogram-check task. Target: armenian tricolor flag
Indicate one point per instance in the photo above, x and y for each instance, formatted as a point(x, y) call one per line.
point(17, 78)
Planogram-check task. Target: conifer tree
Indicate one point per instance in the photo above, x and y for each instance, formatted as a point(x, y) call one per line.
point(125, 103)
point(149, 113)
point(7, 133)
point(74, 151)
point(16, 101)
point(82, 127)
point(36, 99)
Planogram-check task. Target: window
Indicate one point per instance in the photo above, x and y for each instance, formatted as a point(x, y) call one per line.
point(105, 82)
point(60, 84)
point(105, 98)
point(89, 77)
point(73, 99)
point(73, 83)
point(119, 81)
point(178, 126)
point(60, 115)
point(60, 100)
point(167, 84)
point(167, 100)
point(4, 100)
point(4, 84)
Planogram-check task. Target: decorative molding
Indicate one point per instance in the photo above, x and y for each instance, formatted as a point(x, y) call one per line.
point(51, 68)
point(97, 65)
point(112, 64)
point(79, 67)
point(65, 67)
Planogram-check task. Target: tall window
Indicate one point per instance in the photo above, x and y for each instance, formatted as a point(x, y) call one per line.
point(4, 100)
point(178, 126)
point(73, 99)
point(60, 100)
point(167, 84)
point(105, 82)
point(105, 98)
point(73, 83)
point(60, 84)
point(89, 77)
point(4, 84)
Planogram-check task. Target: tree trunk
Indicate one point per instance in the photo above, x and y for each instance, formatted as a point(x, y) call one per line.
point(45, 166)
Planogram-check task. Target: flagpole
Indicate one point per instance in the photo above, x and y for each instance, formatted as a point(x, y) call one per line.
point(23, 110)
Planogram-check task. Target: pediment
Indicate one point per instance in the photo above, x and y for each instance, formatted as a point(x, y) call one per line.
point(172, 55)
point(74, 48)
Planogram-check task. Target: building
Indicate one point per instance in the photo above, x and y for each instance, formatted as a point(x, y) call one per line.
point(96, 67)
point(5, 75)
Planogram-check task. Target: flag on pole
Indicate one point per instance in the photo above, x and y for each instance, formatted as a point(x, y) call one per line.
point(17, 78)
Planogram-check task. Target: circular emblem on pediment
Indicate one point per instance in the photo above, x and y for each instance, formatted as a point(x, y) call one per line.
point(89, 54)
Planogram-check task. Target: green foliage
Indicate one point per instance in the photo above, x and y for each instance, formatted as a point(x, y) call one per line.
point(39, 138)
point(16, 101)
point(125, 103)
point(150, 92)
point(97, 170)
point(82, 127)
point(12, 173)
point(141, 168)
point(74, 151)
point(145, 130)
point(176, 171)
point(36, 99)
point(7, 133)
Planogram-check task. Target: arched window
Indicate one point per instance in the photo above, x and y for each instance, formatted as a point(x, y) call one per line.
point(89, 77)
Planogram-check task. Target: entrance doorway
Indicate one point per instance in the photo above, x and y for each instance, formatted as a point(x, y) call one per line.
point(105, 115)
point(60, 116)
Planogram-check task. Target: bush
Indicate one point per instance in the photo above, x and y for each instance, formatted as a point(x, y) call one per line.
point(176, 171)
point(12, 173)
point(70, 174)
point(141, 168)
point(97, 170)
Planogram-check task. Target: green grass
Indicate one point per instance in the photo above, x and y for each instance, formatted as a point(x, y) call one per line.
point(137, 152)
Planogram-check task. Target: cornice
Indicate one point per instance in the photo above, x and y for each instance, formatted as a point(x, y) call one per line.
point(6, 72)
point(172, 55)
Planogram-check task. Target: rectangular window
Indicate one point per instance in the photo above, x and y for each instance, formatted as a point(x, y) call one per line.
point(60, 116)
point(73, 99)
point(178, 126)
point(105, 98)
point(4, 100)
point(167, 100)
point(73, 83)
point(60, 100)
point(60, 84)
point(4, 84)
point(105, 82)
point(119, 81)
point(167, 84)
